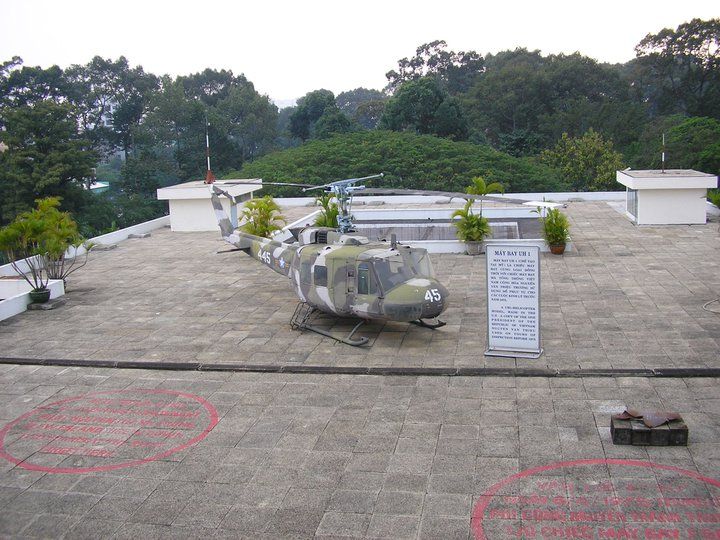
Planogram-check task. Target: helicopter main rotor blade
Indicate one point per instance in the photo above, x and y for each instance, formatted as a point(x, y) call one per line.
point(240, 183)
point(347, 181)
point(428, 193)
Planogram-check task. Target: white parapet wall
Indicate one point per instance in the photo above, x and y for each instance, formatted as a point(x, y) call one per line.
point(103, 240)
point(14, 290)
point(566, 196)
point(15, 295)
point(433, 246)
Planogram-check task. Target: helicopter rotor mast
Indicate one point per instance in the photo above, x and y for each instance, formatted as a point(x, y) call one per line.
point(343, 190)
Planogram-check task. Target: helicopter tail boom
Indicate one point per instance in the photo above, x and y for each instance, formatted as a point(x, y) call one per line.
point(226, 227)
point(273, 253)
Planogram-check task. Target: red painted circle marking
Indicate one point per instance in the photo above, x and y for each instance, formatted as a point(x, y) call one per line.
point(543, 515)
point(116, 428)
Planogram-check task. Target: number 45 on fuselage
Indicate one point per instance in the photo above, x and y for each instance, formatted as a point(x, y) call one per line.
point(346, 275)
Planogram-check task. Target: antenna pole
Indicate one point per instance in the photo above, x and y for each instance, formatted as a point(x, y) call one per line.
point(209, 177)
point(663, 153)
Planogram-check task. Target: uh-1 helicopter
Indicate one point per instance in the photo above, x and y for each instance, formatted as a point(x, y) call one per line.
point(339, 272)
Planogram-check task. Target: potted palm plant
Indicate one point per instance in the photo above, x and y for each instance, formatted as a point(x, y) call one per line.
point(36, 243)
point(262, 217)
point(555, 228)
point(471, 228)
point(329, 213)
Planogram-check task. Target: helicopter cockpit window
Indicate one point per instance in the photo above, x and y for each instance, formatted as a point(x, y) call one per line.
point(321, 276)
point(365, 280)
point(421, 263)
point(401, 267)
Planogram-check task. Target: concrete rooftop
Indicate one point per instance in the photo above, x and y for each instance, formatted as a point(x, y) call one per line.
point(628, 297)
point(88, 452)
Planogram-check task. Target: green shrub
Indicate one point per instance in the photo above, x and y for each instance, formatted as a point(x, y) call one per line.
point(713, 195)
point(41, 237)
point(470, 227)
point(262, 217)
point(555, 227)
point(408, 161)
point(329, 213)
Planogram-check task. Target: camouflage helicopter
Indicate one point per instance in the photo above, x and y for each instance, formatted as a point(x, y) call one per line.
point(341, 273)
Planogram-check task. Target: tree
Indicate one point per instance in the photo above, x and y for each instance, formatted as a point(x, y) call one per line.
point(20, 86)
point(690, 143)
point(45, 156)
point(309, 109)
point(145, 172)
point(525, 101)
point(422, 106)
point(455, 70)
point(407, 160)
point(450, 121)
point(588, 162)
point(249, 119)
point(176, 125)
point(684, 67)
point(332, 122)
point(211, 86)
point(241, 123)
point(349, 101)
point(368, 114)
point(110, 99)
point(511, 95)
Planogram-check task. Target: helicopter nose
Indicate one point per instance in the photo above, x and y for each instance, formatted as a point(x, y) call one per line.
point(434, 301)
point(419, 298)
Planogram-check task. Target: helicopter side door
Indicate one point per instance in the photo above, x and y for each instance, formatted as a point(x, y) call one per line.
point(366, 302)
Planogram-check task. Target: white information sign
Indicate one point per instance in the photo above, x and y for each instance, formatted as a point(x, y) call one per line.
point(513, 300)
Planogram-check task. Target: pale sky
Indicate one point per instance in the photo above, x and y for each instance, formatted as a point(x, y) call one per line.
point(288, 48)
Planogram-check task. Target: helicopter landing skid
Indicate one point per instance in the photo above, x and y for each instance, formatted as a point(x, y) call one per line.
point(430, 323)
point(301, 321)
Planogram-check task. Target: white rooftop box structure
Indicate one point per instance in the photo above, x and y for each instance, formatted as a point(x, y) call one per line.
point(671, 197)
point(190, 206)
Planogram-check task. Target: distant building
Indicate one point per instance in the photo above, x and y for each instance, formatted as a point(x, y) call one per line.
point(107, 116)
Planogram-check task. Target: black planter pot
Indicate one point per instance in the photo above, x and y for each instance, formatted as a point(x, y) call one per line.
point(39, 296)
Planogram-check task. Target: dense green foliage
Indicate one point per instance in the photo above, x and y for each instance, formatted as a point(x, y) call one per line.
point(423, 106)
point(59, 123)
point(714, 197)
point(571, 119)
point(408, 161)
point(588, 162)
point(318, 116)
point(456, 70)
point(681, 68)
point(45, 156)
